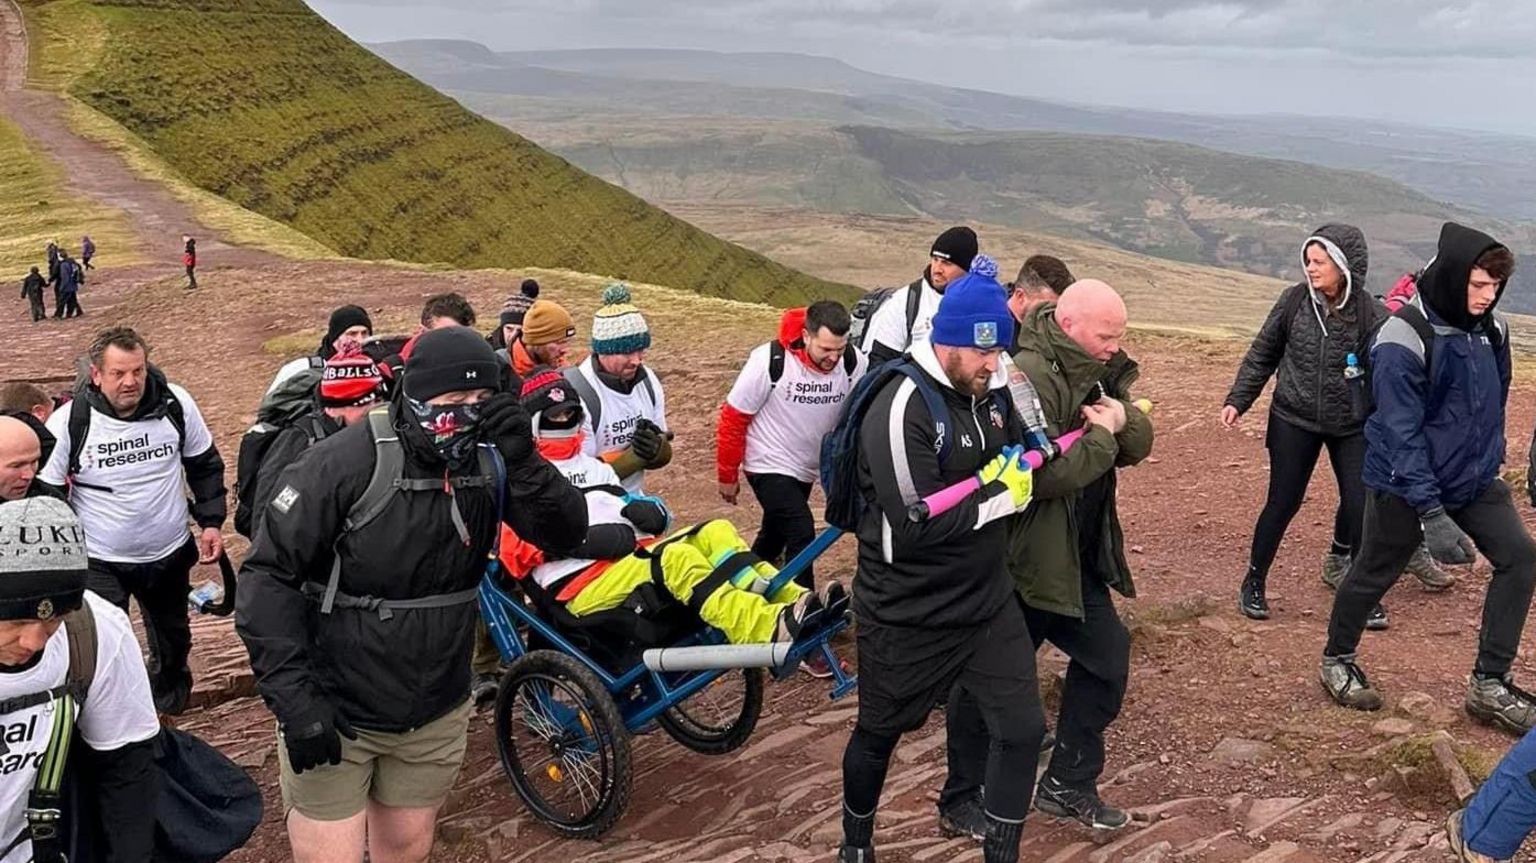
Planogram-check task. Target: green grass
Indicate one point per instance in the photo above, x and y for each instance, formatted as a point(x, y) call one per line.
point(265, 104)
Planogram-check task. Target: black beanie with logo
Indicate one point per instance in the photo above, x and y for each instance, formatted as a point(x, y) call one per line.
point(958, 245)
point(449, 360)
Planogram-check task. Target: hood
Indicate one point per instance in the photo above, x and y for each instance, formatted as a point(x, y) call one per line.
point(923, 354)
point(1345, 244)
point(791, 331)
point(1040, 333)
point(45, 439)
point(1443, 285)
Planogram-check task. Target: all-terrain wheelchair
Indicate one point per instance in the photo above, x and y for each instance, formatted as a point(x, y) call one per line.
point(576, 688)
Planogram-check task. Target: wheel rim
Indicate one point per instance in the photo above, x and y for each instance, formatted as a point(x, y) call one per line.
point(561, 750)
point(714, 710)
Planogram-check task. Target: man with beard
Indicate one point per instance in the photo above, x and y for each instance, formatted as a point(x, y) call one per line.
point(905, 317)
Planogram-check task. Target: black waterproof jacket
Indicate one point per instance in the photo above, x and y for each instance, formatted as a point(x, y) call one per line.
point(1304, 344)
point(389, 675)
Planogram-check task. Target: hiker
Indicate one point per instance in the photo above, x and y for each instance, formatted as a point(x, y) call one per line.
point(129, 447)
point(87, 251)
point(20, 396)
point(1306, 344)
point(358, 599)
point(71, 278)
point(1499, 818)
point(72, 669)
point(903, 319)
point(349, 326)
point(937, 616)
point(624, 406)
point(786, 398)
point(1434, 446)
point(513, 311)
point(544, 340)
point(189, 259)
point(616, 557)
point(32, 291)
point(1042, 279)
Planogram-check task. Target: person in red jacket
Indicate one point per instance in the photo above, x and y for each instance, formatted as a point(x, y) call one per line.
point(189, 259)
point(784, 400)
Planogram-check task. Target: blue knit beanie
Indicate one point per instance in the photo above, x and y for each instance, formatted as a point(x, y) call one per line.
point(973, 314)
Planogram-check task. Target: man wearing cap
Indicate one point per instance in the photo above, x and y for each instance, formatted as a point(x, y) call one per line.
point(625, 406)
point(900, 323)
point(937, 617)
point(45, 613)
point(359, 598)
point(545, 339)
point(349, 325)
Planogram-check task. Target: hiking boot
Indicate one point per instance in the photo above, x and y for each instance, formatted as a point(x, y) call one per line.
point(1334, 568)
point(1499, 702)
point(1430, 575)
point(967, 819)
point(815, 664)
point(485, 689)
point(834, 599)
point(856, 854)
point(1081, 805)
point(1345, 683)
point(1377, 621)
point(798, 619)
point(1251, 601)
point(1458, 842)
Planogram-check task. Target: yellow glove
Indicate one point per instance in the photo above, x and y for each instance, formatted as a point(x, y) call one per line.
point(993, 470)
point(1019, 479)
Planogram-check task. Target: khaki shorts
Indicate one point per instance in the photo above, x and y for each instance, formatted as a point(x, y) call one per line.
point(410, 770)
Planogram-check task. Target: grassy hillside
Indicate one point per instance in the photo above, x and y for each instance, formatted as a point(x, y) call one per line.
point(264, 103)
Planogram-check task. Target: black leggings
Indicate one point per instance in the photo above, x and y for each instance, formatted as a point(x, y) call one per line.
point(788, 526)
point(1293, 453)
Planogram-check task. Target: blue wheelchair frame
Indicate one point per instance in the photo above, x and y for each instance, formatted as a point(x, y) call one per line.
point(640, 693)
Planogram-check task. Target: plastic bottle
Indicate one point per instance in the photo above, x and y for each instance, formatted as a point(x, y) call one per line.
point(1354, 376)
point(205, 595)
point(1027, 402)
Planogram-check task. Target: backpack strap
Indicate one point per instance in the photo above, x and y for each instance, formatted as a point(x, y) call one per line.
point(588, 394)
point(914, 303)
point(79, 426)
point(388, 470)
point(775, 362)
point(938, 410)
point(1414, 317)
point(650, 388)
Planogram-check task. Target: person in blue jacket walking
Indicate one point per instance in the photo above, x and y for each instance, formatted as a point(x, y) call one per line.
point(1440, 371)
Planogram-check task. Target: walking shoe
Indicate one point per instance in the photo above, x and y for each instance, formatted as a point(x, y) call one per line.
point(798, 619)
point(1430, 575)
point(815, 664)
point(967, 818)
point(485, 689)
point(1458, 842)
point(1001, 844)
point(1251, 601)
point(1345, 683)
point(1378, 619)
point(1499, 702)
point(856, 854)
point(834, 598)
point(1334, 568)
point(1081, 805)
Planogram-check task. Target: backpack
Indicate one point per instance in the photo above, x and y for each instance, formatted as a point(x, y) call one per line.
point(291, 404)
point(864, 311)
point(80, 420)
point(592, 401)
point(776, 354)
point(840, 447)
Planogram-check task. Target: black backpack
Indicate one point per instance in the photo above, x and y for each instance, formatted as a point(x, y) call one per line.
point(864, 311)
point(291, 404)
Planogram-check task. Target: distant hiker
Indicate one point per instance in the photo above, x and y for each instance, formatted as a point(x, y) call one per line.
point(624, 405)
point(1041, 280)
point(904, 316)
point(87, 251)
point(938, 618)
point(545, 339)
point(129, 448)
point(189, 259)
point(1502, 815)
point(52, 250)
point(1434, 447)
point(1067, 551)
point(67, 288)
point(349, 326)
point(32, 291)
point(513, 311)
point(358, 599)
point(19, 396)
point(72, 671)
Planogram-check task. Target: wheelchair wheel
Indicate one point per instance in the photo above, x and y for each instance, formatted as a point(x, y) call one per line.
point(563, 744)
point(720, 717)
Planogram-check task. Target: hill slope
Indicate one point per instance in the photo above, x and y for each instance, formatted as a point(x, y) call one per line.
point(266, 104)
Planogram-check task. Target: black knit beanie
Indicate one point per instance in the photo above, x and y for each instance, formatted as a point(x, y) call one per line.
point(448, 360)
point(957, 245)
point(343, 319)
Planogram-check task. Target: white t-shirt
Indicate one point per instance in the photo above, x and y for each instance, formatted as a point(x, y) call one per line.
point(119, 710)
point(590, 475)
point(790, 417)
point(619, 413)
point(889, 324)
point(130, 492)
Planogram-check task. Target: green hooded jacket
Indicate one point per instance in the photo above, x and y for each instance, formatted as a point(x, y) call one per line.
point(1043, 543)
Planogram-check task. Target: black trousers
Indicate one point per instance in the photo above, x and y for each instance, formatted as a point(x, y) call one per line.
point(72, 305)
point(39, 311)
point(161, 590)
point(1393, 531)
point(1293, 453)
point(192, 276)
point(788, 526)
point(58, 302)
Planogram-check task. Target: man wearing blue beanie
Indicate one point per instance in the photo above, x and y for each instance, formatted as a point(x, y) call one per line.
point(938, 621)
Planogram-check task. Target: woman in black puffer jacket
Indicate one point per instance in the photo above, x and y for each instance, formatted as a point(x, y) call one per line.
point(1306, 343)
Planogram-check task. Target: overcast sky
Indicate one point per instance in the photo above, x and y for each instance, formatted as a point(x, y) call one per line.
point(1466, 63)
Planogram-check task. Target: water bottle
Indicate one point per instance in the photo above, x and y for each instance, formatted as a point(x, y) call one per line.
point(1027, 402)
point(205, 596)
point(1354, 377)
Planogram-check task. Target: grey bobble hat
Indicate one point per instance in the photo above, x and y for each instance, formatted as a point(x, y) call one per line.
point(42, 559)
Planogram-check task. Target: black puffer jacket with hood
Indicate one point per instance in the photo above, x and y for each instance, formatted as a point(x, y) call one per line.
point(1305, 342)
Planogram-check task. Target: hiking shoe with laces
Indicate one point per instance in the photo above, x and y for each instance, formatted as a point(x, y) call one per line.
point(856, 854)
point(1458, 842)
point(816, 665)
point(798, 619)
point(1334, 568)
point(1430, 575)
point(1499, 702)
point(834, 599)
point(1251, 601)
point(1345, 683)
point(485, 689)
point(1378, 620)
point(1081, 805)
point(967, 819)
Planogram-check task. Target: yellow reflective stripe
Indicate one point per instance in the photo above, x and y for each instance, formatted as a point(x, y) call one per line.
point(50, 775)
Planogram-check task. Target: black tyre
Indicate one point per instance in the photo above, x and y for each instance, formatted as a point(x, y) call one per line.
point(563, 744)
point(720, 717)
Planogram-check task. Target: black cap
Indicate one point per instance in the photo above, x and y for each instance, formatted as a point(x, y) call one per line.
point(957, 245)
point(449, 360)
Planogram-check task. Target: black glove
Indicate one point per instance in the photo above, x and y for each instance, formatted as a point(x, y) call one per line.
point(647, 440)
point(505, 423)
point(1446, 541)
point(648, 515)
point(315, 738)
